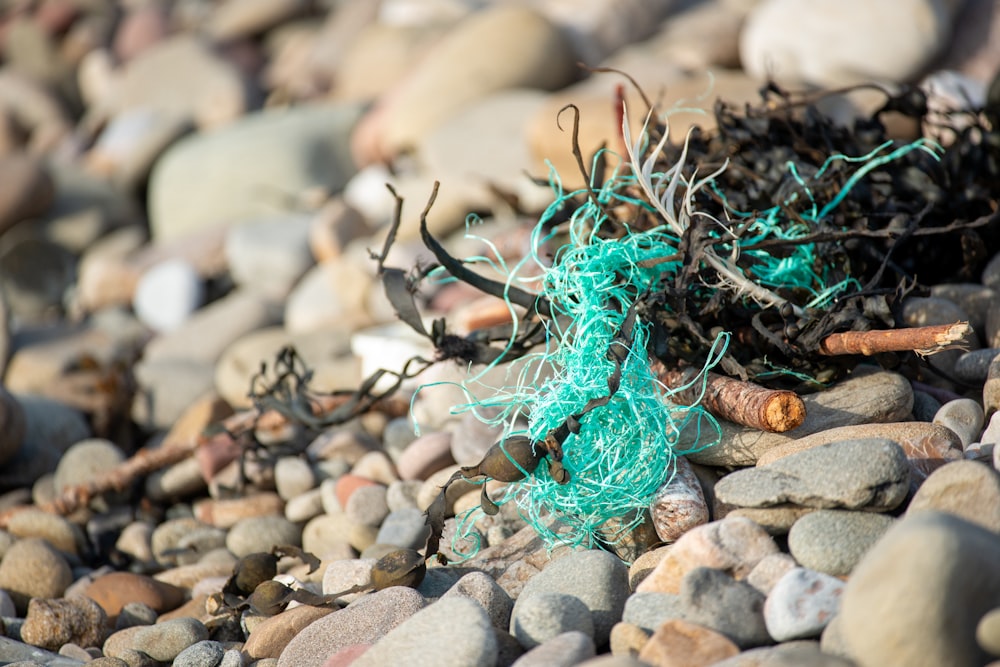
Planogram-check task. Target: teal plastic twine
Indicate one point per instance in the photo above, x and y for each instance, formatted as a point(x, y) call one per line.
point(625, 450)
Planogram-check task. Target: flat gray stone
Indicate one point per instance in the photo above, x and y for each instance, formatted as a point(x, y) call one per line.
point(869, 396)
point(834, 541)
point(870, 473)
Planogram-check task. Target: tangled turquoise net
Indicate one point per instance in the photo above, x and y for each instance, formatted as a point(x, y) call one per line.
point(626, 450)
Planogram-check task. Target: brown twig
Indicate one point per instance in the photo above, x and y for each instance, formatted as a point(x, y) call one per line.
point(735, 400)
point(146, 461)
point(922, 340)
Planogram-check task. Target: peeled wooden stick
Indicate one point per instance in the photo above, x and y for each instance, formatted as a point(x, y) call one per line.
point(922, 340)
point(737, 401)
point(146, 461)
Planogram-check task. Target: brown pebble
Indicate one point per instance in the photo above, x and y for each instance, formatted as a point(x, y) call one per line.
point(271, 636)
point(51, 623)
point(678, 643)
point(425, 456)
point(734, 544)
point(228, 512)
point(113, 591)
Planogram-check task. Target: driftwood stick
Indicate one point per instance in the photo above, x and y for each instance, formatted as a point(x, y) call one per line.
point(922, 340)
point(146, 461)
point(737, 401)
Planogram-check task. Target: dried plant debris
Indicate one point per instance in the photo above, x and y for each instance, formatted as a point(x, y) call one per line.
point(747, 250)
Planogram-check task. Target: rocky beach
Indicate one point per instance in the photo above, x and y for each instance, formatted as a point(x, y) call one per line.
point(254, 410)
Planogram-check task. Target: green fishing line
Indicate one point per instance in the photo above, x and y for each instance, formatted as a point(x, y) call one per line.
point(625, 450)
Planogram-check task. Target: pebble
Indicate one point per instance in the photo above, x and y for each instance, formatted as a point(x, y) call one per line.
point(925, 406)
point(776, 520)
point(974, 367)
point(871, 473)
point(991, 389)
point(801, 604)
point(205, 653)
point(261, 534)
point(544, 616)
point(927, 446)
point(161, 77)
point(475, 51)
point(678, 643)
point(168, 294)
point(270, 254)
point(931, 571)
point(565, 650)
point(162, 641)
point(305, 506)
point(680, 504)
point(868, 396)
point(964, 417)
point(791, 654)
point(326, 533)
point(988, 632)
point(342, 575)
point(33, 569)
point(734, 545)
point(376, 466)
point(834, 541)
point(51, 623)
point(50, 429)
point(319, 302)
point(597, 578)
point(116, 590)
point(54, 529)
point(425, 456)
point(367, 506)
point(364, 621)
point(404, 528)
point(448, 633)
point(269, 638)
point(713, 599)
point(30, 189)
point(966, 489)
point(920, 29)
point(481, 588)
point(292, 150)
point(769, 571)
point(292, 477)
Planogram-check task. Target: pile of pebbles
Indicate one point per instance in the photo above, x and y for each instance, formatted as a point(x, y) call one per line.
point(186, 187)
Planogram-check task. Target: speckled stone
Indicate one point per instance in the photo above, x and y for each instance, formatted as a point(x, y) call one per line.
point(964, 417)
point(452, 632)
point(544, 616)
point(872, 473)
point(801, 604)
point(481, 588)
point(364, 621)
point(968, 489)
point(52, 623)
point(835, 541)
point(734, 545)
point(597, 578)
point(205, 653)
